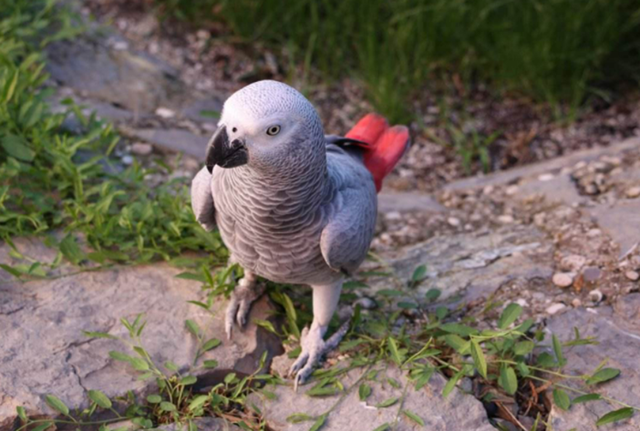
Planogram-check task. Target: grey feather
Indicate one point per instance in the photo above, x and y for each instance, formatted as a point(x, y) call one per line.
point(202, 200)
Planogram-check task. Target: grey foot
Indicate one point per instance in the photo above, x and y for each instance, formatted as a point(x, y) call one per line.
point(313, 349)
point(240, 302)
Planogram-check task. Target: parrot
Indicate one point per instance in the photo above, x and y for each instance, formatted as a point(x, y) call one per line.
point(292, 204)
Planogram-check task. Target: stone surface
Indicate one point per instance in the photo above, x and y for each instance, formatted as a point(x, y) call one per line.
point(389, 201)
point(617, 329)
point(175, 140)
point(563, 279)
point(475, 264)
point(454, 413)
point(620, 221)
point(203, 424)
point(43, 350)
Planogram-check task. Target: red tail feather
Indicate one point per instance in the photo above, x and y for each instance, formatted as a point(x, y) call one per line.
point(386, 145)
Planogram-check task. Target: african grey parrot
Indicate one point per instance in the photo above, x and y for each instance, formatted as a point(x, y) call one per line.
point(293, 205)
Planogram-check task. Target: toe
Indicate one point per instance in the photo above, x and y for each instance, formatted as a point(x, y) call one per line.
point(299, 363)
point(243, 313)
point(230, 315)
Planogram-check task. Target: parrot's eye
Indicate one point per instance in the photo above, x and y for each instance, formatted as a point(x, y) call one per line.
point(273, 130)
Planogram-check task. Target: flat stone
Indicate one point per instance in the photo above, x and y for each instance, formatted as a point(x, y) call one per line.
point(175, 140)
point(141, 149)
point(44, 351)
point(620, 221)
point(389, 201)
point(555, 308)
point(474, 264)
point(563, 279)
point(456, 412)
point(618, 331)
point(591, 274)
point(632, 275)
point(573, 262)
point(633, 192)
point(203, 424)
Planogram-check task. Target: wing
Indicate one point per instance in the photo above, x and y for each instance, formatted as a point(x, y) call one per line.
point(346, 238)
point(202, 200)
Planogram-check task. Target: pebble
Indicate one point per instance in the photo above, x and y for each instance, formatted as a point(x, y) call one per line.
point(591, 274)
point(573, 262)
point(393, 215)
point(522, 302)
point(545, 177)
point(596, 296)
point(633, 192)
point(505, 219)
point(555, 308)
point(512, 190)
point(632, 275)
point(141, 149)
point(593, 233)
point(165, 112)
point(453, 221)
point(563, 279)
point(576, 302)
point(127, 160)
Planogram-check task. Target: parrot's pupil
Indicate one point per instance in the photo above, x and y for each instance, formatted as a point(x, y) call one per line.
point(234, 130)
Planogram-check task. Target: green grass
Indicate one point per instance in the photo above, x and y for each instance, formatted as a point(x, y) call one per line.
point(555, 51)
point(52, 180)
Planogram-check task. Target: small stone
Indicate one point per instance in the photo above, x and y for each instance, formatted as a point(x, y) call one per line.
point(632, 275)
point(366, 303)
point(563, 279)
point(522, 302)
point(512, 190)
point(545, 177)
point(555, 308)
point(488, 190)
point(141, 149)
point(576, 302)
point(393, 215)
point(455, 222)
point(596, 296)
point(593, 233)
point(633, 192)
point(127, 160)
point(573, 263)
point(505, 219)
point(591, 274)
point(165, 112)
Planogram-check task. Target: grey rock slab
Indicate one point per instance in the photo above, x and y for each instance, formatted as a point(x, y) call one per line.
point(44, 351)
point(475, 264)
point(621, 221)
point(560, 188)
point(389, 201)
point(547, 166)
point(456, 412)
point(617, 329)
point(176, 140)
point(203, 424)
point(93, 66)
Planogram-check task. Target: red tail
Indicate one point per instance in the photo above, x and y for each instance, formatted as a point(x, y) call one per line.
point(386, 145)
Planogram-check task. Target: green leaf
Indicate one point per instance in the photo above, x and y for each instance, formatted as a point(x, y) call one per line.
point(211, 344)
point(296, 418)
point(478, 358)
point(561, 399)
point(557, 349)
point(319, 422)
point(167, 406)
point(210, 364)
point(43, 426)
point(364, 391)
point(13, 271)
point(394, 352)
point(387, 403)
point(615, 416)
point(508, 380)
point(57, 404)
point(193, 327)
point(22, 414)
point(188, 380)
point(171, 366)
point(458, 329)
point(460, 345)
point(603, 375)
point(384, 427)
point(433, 294)
point(99, 335)
point(100, 399)
point(197, 402)
point(586, 398)
point(414, 417)
point(10, 86)
point(451, 383)
point(191, 276)
point(154, 399)
point(119, 356)
point(523, 347)
point(192, 426)
point(70, 249)
point(424, 378)
point(319, 391)
point(419, 274)
point(139, 364)
point(509, 315)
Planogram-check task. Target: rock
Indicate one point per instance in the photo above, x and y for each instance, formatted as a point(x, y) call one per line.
point(563, 279)
point(455, 222)
point(618, 331)
point(141, 149)
point(596, 296)
point(392, 201)
point(43, 350)
point(165, 112)
point(555, 308)
point(620, 221)
point(175, 140)
point(127, 160)
point(633, 192)
point(591, 274)
point(632, 275)
point(505, 219)
point(203, 424)
point(454, 413)
point(573, 263)
point(474, 264)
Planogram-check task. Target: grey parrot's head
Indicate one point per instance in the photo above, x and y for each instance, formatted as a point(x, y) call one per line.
point(268, 126)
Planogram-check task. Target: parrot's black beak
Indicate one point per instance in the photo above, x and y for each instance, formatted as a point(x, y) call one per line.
point(223, 153)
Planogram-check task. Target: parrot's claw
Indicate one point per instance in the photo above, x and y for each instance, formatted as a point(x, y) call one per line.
point(313, 349)
point(240, 303)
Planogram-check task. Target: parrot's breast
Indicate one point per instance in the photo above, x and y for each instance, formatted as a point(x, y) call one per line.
point(273, 233)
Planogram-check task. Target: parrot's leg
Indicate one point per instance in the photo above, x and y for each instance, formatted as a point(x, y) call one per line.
point(325, 301)
point(240, 302)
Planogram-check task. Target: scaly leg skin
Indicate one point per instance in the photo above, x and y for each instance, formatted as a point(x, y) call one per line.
point(240, 302)
point(325, 301)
